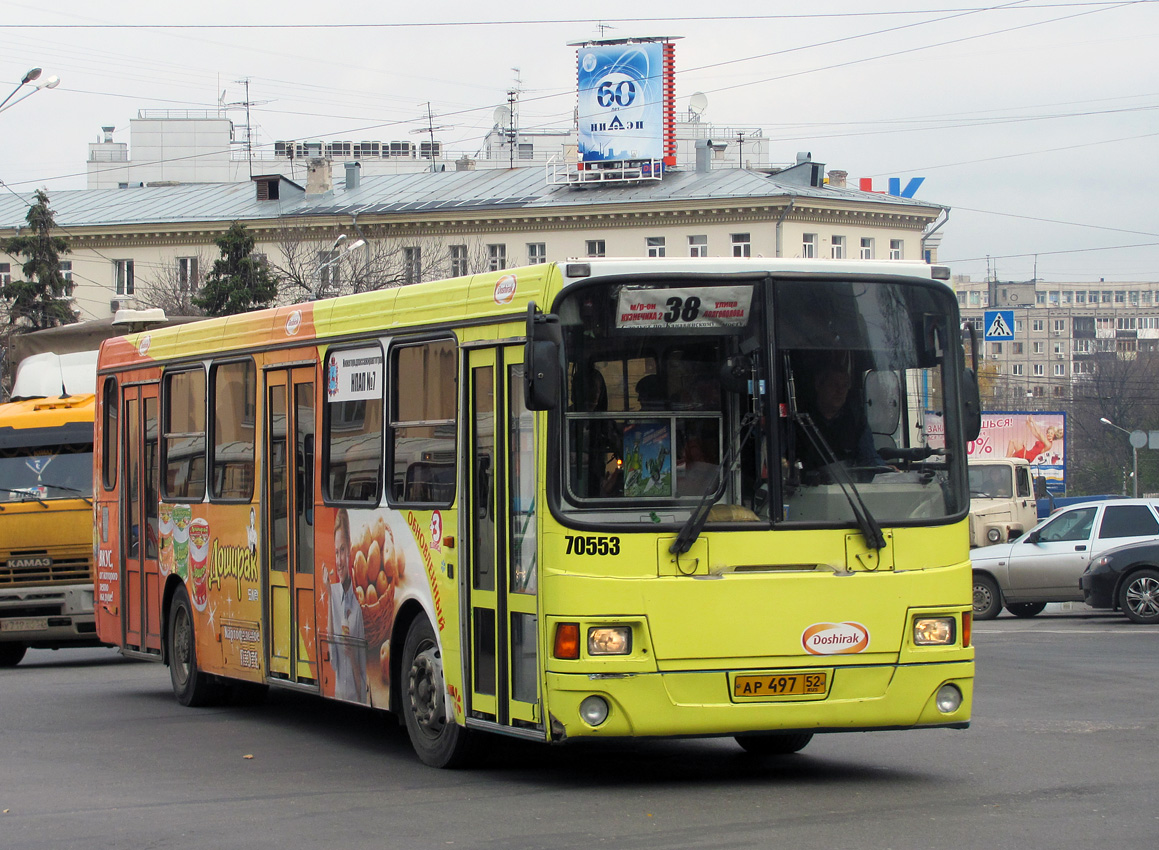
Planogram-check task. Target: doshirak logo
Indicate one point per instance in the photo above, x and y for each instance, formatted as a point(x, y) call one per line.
point(835, 638)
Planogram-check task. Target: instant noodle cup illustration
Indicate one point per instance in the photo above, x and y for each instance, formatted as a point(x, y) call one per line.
point(182, 516)
point(199, 561)
point(165, 541)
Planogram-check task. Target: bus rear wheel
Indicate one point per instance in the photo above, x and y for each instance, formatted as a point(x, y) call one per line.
point(11, 653)
point(775, 743)
point(191, 686)
point(438, 740)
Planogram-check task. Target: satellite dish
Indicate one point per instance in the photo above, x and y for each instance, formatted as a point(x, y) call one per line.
point(697, 103)
point(502, 115)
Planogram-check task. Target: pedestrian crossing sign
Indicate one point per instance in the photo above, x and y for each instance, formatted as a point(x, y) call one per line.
point(998, 325)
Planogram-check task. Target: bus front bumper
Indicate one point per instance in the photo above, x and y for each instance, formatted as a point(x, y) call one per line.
point(700, 703)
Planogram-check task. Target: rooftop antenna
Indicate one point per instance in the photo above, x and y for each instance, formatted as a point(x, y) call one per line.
point(603, 28)
point(248, 127)
point(430, 130)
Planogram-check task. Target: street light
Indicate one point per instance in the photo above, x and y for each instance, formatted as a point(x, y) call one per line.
point(31, 76)
point(353, 246)
point(1136, 444)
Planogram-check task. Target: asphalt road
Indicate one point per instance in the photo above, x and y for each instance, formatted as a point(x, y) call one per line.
point(95, 753)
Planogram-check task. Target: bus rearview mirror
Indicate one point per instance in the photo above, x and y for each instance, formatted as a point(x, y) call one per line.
point(543, 360)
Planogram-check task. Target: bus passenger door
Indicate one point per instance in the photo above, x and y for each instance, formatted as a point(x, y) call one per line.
point(142, 585)
point(288, 524)
point(501, 535)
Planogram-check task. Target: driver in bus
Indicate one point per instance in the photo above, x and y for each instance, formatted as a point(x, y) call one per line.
point(347, 633)
point(838, 415)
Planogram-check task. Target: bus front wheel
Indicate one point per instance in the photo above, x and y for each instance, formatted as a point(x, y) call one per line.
point(775, 743)
point(11, 652)
point(191, 686)
point(437, 738)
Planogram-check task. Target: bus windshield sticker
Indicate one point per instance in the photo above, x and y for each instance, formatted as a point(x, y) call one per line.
point(354, 373)
point(648, 463)
point(696, 307)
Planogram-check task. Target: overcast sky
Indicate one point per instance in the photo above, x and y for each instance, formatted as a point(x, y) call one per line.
point(1034, 121)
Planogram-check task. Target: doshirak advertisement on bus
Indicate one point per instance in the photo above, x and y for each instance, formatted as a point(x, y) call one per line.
point(621, 95)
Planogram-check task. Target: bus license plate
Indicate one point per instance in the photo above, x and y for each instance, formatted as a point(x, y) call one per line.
point(26, 624)
point(780, 685)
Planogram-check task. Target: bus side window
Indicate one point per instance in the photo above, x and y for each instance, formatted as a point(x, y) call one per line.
point(109, 433)
point(184, 435)
point(423, 422)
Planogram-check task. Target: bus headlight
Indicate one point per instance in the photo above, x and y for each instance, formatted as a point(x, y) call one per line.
point(934, 631)
point(610, 640)
point(949, 699)
point(594, 710)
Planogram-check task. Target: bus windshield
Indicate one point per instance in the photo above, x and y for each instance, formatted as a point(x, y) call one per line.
point(39, 473)
point(787, 401)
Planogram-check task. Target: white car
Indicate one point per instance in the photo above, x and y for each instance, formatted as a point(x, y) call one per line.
point(1044, 565)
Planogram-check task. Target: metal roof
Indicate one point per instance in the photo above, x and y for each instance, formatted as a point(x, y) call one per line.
point(409, 194)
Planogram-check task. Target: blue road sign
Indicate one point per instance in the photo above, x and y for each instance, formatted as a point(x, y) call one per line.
point(998, 325)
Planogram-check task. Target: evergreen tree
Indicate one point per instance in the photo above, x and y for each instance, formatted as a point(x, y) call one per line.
point(44, 298)
point(239, 281)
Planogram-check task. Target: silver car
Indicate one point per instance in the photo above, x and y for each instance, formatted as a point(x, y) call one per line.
point(1044, 565)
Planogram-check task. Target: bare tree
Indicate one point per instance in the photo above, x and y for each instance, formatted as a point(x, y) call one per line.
point(173, 286)
point(312, 267)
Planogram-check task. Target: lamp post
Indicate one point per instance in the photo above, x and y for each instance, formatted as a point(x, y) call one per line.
point(1138, 439)
point(334, 260)
point(30, 77)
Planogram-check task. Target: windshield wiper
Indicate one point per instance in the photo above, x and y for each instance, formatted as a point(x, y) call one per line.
point(865, 519)
point(80, 493)
point(696, 520)
point(26, 496)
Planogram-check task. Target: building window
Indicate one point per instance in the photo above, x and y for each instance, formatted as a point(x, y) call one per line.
point(698, 246)
point(1060, 325)
point(1052, 297)
point(1059, 370)
point(123, 270)
point(1038, 324)
point(1016, 347)
point(1040, 298)
point(412, 264)
point(1120, 296)
point(975, 298)
point(1060, 348)
point(741, 246)
point(5, 274)
point(458, 260)
point(1067, 296)
point(1107, 297)
point(1015, 368)
point(896, 249)
point(496, 257)
point(1080, 297)
point(866, 248)
point(1133, 297)
point(1039, 348)
point(808, 245)
point(1039, 370)
point(837, 247)
point(655, 246)
point(1038, 391)
point(536, 252)
point(995, 348)
point(1125, 323)
point(1018, 326)
point(187, 274)
point(596, 248)
point(66, 274)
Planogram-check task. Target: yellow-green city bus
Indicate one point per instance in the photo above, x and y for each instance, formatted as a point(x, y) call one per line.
point(597, 499)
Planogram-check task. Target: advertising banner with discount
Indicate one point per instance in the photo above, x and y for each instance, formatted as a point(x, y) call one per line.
point(1036, 436)
point(710, 307)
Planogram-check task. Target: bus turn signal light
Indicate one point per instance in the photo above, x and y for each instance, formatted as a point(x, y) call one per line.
point(567, 641)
